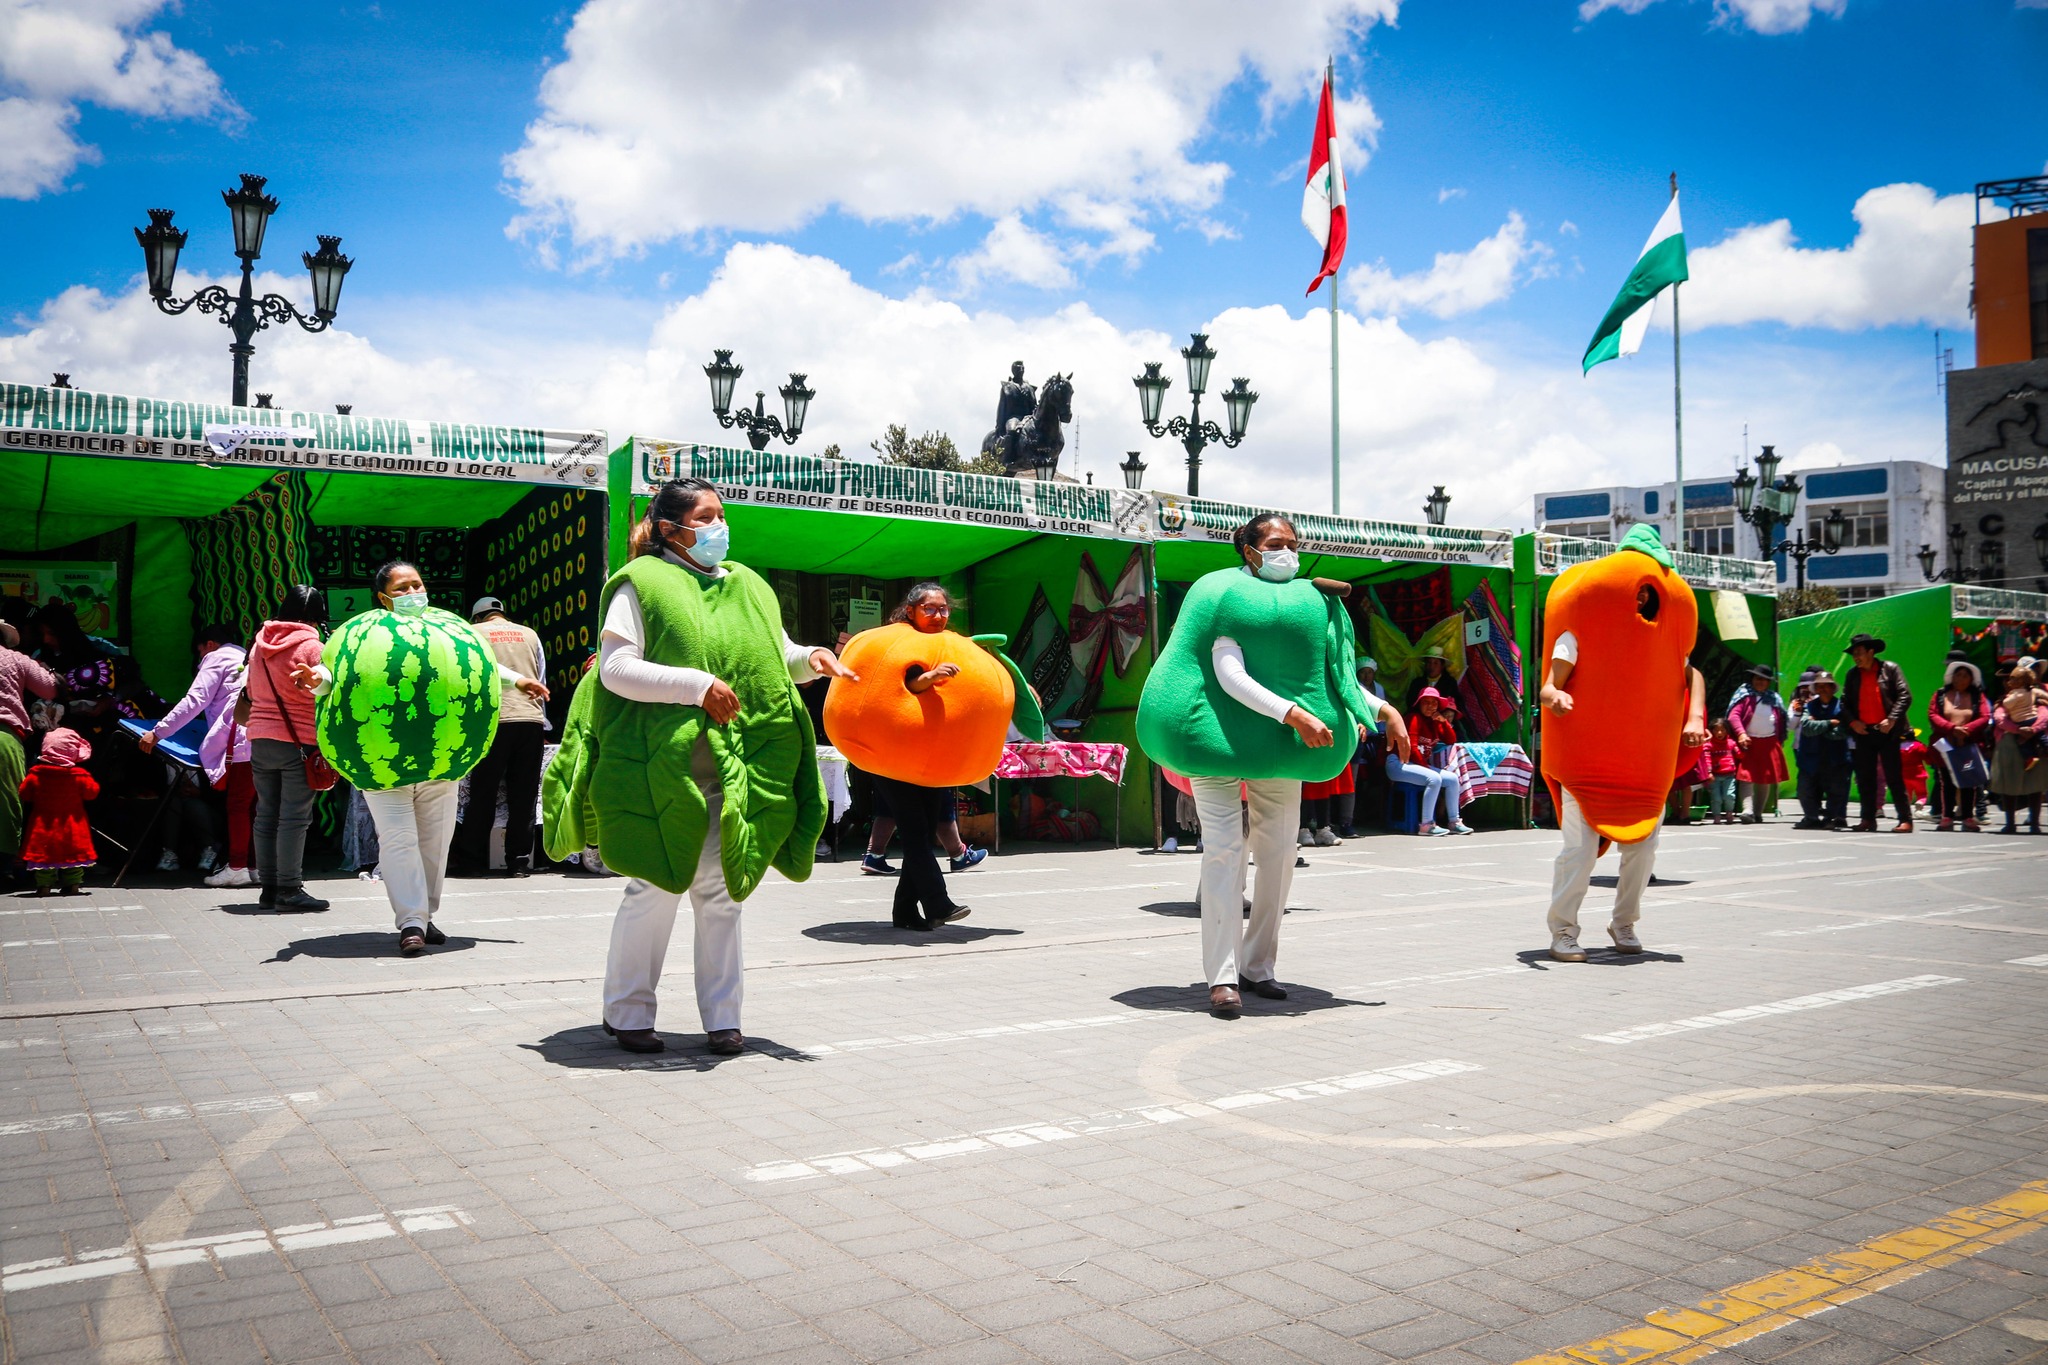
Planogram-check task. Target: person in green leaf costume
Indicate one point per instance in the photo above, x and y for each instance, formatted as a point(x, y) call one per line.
point(688, 759)
point(1204, 715)
point(408, 702)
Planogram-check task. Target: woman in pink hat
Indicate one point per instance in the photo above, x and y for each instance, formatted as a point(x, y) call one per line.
point(1429, 727)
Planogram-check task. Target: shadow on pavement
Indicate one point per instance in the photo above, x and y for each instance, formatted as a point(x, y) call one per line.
point(1194, 999)
point(1655, 880)
point(1540, 958)
point(383, 943)
point(881, 931)
point(588, 1048)
point(1182, 909)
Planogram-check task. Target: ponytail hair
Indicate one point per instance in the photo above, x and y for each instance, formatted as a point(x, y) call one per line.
point(917, 593)
point(672, 502)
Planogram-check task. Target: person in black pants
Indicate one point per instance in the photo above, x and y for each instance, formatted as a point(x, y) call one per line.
point(921, 898)
point(1874, 703)
point(514, 755)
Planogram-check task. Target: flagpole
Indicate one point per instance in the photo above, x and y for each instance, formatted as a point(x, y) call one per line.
point(1677, 414)
point(1336, 492)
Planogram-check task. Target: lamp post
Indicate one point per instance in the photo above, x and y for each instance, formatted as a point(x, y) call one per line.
point(1764, 499)
point(1437, 506)
point(249, 209)
point(1193, 433)
point(1134, 470)
point(1832, 529)
point(760, 425)
point(1958, 571)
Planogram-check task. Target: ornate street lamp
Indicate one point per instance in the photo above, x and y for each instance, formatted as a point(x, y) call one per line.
point(1437, 506)
point(1833, 530)
point(1764, 499)
point(1134, 470)
point(1193, 433)
point(1958, 570)
point(249, 210)
point(760, 425)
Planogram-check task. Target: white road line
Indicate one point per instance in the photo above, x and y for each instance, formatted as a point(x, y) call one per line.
point(157, 1113)
point(1888, 919)
point(96, 1265)
point(1035, 1134)
point(70, 909)
point(154, 1031)
point(1797, 1003)
point(2041, 961)
point(96, 938)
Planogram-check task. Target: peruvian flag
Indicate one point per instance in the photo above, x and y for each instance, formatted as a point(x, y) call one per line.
point(1322, 199)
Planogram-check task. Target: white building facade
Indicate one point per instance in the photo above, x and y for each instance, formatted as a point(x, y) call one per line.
point(1892, 509)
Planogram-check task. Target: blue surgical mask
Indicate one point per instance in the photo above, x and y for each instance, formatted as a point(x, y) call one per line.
point(410, 603)
point(1278, 566)
point(714, 540)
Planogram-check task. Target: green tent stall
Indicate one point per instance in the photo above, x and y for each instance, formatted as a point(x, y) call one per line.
point(1738, 610)
point(156, 516)
point(841, 540)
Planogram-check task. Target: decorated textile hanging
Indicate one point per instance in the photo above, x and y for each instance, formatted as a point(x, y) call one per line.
point(245, 555)
point(1401, 662)
point(1121, 619)
point(1041, 651)
point(545, 559)
point(1415, 604)
point(1492, 679)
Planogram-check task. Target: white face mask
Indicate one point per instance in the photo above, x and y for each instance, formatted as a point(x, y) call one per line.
point(1278, 566)
point(713, 543)
point(410, 603)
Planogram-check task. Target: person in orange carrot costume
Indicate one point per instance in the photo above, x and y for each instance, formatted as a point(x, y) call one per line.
point(1623, 710)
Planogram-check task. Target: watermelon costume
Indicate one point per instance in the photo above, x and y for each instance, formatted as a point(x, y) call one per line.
point(1300, 643)
point(414, 699)
point(622, 777)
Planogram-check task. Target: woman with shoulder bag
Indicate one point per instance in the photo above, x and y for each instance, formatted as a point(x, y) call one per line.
point(281, 735)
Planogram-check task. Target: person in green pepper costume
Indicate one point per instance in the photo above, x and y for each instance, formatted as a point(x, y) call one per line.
point(688, 760)
point(1204, 715)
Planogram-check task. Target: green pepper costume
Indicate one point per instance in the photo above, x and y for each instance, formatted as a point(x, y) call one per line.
point(621, 779)
point(1297, 641)
point(415, 699)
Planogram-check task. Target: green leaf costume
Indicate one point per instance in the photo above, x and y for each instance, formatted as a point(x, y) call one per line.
point(415, 699)
point(622, 778)
point(1296, 640)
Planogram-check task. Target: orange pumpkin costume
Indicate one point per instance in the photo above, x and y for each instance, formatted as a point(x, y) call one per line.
point(948, 736)
point(1630, 689)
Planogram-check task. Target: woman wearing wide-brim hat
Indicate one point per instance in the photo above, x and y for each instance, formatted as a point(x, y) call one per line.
point(1959, 717)
point(1758, 719)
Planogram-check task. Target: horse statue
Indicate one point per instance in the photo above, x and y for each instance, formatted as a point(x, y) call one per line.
point(1035, 441)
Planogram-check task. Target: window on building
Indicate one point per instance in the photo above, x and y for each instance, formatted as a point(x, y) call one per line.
point(2037, 288)
point(1870, 523)
point(1584, 530)
point(1710, 533)
point(1861, 592)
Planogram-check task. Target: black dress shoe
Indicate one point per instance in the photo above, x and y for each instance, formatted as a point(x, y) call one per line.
point(434, 934)
point(1268, 989)
point(725, 1042)
point(293, 900)
point(637, 1039)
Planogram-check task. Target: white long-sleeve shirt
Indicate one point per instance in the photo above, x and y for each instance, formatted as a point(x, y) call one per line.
point(624, 669)
point(1242, 687)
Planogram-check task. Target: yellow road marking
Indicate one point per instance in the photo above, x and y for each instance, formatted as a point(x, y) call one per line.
point(1765, 1304)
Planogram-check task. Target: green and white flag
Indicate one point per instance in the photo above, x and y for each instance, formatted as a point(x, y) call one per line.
point(1661, 265)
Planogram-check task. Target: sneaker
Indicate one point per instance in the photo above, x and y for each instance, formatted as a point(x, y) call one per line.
point(1306, 839)
point(1624, 936)
point(1172, 845)
point(232, 876)
point(167, 863)
point(1437, 832)
point(1347, 833)
point(208, 860)
point(875, 865)
point(1325, 837)
point(1462, 828)
point(969, 858)
point(1565, 948)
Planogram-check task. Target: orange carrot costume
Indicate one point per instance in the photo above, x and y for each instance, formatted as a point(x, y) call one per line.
point(1630, 689)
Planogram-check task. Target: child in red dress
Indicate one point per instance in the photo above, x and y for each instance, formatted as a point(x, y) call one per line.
point(56, 841)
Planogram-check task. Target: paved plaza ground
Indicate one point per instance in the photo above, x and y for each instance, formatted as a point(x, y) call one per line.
point(1808, 1123)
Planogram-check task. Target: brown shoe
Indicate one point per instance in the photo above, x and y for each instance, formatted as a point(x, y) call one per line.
point(637, 1039)
point(1903, 827)
point(725, 1042)
point(1866, 826)
point(1224, 1002)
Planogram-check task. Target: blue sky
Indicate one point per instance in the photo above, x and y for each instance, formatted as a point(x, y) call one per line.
point(1517, 163)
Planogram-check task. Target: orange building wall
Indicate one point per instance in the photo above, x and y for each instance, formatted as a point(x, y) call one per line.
point(1998, 290)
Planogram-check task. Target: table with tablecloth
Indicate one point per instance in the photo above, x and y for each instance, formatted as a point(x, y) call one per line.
point(1491, 770)
point(1059, 758)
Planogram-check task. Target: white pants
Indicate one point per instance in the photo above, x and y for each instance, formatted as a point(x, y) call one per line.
point(1232, 946)
point(640, 935)
point(414, 827)
point(1432, 781)
point(1575, 869)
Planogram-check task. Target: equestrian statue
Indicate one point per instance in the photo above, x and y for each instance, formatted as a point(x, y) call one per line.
point(1028, 419)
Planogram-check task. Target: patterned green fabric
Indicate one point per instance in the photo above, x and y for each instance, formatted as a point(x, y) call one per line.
point(625, 765)
point(415, 699)
point(245, 556)
point(545, 559)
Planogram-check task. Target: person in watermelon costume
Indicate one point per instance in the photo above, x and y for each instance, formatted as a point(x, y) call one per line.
point(688, 759)
point(1624, 711)
point(1204, 715)
point(408, 702)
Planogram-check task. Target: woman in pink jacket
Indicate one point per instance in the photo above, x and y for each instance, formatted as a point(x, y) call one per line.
point(225, 751)
point(281, 732)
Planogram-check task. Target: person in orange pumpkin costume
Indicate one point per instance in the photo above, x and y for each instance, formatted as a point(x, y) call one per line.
point(1619, 690)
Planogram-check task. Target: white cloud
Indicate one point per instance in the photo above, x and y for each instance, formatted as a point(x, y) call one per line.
point(1358, 132)
point(1909, 263)
point(1458, 281)
point(1448, 193)
point(55, 57)
point(666, 121)
point(1013, 251)
point(1759, 16)
point(1492, 427)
